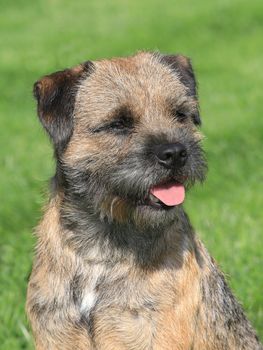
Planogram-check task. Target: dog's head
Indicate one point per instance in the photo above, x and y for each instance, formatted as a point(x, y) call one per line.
point(125, 133)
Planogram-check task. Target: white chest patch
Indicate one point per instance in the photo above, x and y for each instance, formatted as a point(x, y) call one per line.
point(88, 301)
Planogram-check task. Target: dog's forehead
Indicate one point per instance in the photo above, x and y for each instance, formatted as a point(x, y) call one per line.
point(140, 81)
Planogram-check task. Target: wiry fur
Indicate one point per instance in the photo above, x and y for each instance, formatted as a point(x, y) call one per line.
point(111, 272)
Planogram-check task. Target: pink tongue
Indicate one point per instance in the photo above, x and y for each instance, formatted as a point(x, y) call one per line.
point(169, 194)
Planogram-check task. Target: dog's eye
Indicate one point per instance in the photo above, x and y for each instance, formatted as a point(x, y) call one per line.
point(122, 125)
point(180, 116)
point(179, 113)
point(121, 122)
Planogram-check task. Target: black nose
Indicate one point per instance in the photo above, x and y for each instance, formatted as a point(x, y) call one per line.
point(171, 154)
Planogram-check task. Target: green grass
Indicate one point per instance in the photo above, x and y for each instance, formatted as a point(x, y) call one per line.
point(224, 39)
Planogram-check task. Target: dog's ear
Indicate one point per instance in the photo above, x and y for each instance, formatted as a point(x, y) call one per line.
point(183, 67)
point(55, 95)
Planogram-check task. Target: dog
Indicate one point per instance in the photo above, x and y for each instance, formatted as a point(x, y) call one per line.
point(118, 264)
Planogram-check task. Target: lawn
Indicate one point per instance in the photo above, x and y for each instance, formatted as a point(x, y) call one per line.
point(224, 40)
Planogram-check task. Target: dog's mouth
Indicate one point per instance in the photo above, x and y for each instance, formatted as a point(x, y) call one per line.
point(165, 195)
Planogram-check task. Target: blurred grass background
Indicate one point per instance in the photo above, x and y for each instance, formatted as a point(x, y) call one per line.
point(224, 40)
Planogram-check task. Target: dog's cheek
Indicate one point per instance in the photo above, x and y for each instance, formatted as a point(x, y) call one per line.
point(97, 151)
point(197, 167)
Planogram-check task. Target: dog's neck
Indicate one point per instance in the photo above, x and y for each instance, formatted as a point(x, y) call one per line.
point(94, 237)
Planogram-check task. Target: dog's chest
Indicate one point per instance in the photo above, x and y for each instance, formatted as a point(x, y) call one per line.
point(123, 309)
point(116, 310)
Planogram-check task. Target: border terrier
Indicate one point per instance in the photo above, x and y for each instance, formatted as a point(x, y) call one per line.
point(117, 264)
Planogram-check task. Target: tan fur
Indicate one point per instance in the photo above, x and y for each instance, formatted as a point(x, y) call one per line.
point(128, 324)
point(88, 296)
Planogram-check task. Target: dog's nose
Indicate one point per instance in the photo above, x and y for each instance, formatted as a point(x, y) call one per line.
point(171, 154)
